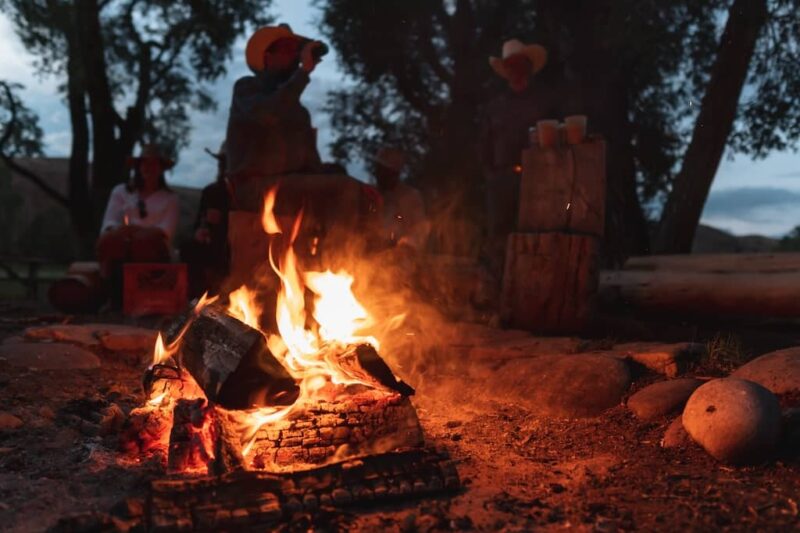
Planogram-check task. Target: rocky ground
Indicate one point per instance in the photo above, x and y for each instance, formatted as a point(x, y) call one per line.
point(543, 432)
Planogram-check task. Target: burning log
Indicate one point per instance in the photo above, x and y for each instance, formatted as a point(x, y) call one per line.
point(191, 441)
point(372, 421)
point(232, 364)
point(249, 499)
point(363, 362)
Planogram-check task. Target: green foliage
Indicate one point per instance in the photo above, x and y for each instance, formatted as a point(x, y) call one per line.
point(791, 241)
point(155, 53)
point(769, 117)
point(414, 63)
point(24, 136)
point(725, 353)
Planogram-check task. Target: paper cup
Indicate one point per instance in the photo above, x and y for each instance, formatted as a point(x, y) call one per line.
point(575, 126)
point(547, 131)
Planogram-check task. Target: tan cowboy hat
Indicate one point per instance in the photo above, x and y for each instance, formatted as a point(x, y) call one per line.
point(220, 154)
point(262, 39)
point(151, 151)
point(534, 52)
point(391, 158)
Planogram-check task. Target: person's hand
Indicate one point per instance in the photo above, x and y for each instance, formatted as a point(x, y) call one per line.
point(307, 61)
point(202, 235)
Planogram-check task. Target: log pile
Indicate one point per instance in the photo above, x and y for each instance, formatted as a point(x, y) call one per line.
point(257, 499)
point(367, 422)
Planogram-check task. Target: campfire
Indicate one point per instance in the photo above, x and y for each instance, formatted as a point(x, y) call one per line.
point(227, 394)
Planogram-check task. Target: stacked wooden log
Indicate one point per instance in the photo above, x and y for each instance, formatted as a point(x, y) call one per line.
point(371, 421)
point(244, 500)
point(551, 267)
point(743, 285)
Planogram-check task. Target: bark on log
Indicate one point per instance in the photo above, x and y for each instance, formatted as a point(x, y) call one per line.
point(232, 364)
point(371, 421)
point(564, 189)
point(705, 293)
point(256, 499)
point(718, 263)
point(550, 281)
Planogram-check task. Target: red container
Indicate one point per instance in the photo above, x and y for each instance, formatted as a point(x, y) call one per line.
point(154, 288)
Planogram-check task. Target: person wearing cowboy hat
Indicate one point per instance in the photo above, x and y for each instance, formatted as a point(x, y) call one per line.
point(269, 131)
point(140, 218)
point(404, 220)
point(207, 254)
point(504, 135)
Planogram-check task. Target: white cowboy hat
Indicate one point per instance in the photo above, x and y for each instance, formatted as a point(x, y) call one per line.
point(391, 158)
point(534, 52)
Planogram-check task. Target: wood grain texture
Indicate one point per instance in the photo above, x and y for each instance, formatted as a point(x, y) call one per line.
point(550, 280)
point(564, 189)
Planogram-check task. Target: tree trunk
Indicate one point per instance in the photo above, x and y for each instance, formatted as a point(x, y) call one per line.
point(108, 161)
point(80, 205)
point(714, 123)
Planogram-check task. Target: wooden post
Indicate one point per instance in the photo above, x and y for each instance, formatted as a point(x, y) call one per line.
point(551, 270)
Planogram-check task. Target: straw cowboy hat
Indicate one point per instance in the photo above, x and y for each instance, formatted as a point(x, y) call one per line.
point(534, 52)
point(391, 158)
point(151, 151)
point(220, 154)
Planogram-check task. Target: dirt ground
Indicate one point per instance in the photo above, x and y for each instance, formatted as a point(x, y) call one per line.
point(520, 472)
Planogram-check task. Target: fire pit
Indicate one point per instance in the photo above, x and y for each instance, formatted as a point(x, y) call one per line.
point(305, 416)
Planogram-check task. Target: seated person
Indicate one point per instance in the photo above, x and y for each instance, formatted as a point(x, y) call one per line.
point(140, 219)
point(208, 253)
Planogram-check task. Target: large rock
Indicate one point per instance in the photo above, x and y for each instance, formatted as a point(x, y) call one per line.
point(563, 386)
point(735, 420)
point(777, 371)
point(48, 356)
point(662, 398)
point(110, 337)
point(670, 360)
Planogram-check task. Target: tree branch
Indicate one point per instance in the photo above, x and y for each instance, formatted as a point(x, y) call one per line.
point(10, 163)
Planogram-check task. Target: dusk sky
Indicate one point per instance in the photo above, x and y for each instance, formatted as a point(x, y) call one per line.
point(747, 196)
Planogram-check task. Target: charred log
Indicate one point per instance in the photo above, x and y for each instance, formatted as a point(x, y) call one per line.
point(261, 499)
point(364, 363)
point(232, 364)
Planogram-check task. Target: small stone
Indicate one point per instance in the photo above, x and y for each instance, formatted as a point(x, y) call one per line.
point(9, 421)
point(675, 436)
point(670, 360)
point(735, 420)
point(46, 412)
point(453, 424)
point(293, 505)
point(663, 398)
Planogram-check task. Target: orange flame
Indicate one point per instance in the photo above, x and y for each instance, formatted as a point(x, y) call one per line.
point(243, 306)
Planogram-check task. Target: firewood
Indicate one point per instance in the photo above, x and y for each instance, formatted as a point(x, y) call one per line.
point(363, 362)
point(370, 421)
point(232, 364)
point(249, 499)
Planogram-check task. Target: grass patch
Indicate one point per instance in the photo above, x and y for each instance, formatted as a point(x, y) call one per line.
point(725, 352)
